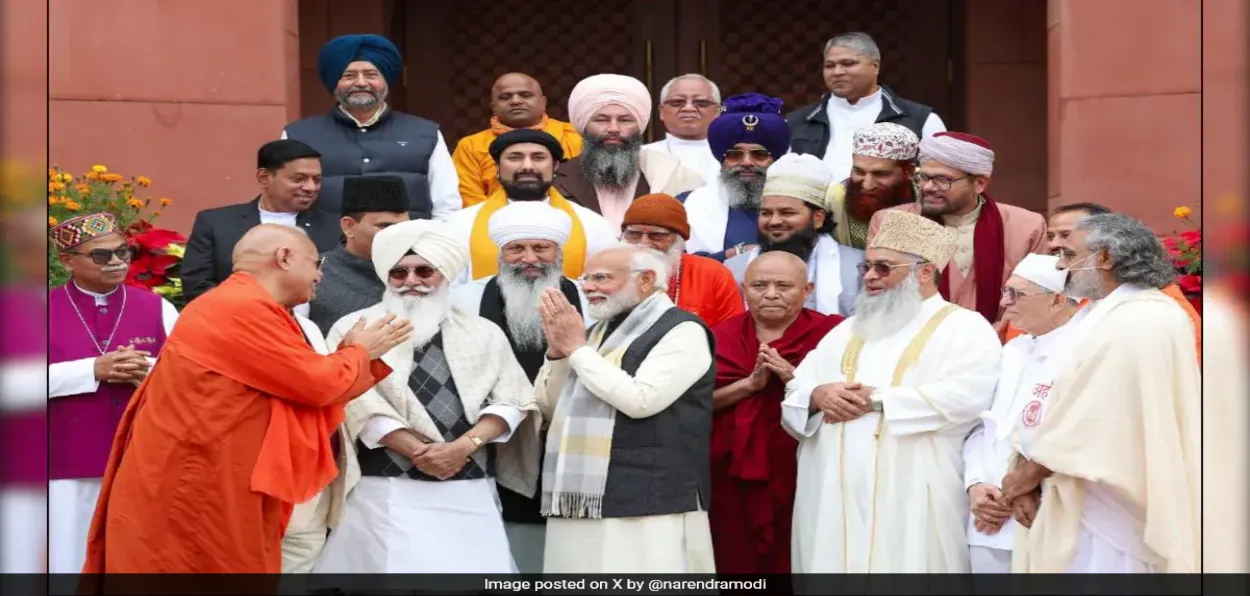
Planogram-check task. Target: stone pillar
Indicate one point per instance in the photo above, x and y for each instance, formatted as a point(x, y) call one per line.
point(1125, 100)
point(182, 92)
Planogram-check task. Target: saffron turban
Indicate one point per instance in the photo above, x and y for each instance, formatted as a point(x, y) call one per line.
point(964, 152)
point(915, 235)
point(345, 49)
point(801, 176)
point(429, 239)
point(595, 92)
point(517, 136)
point(1040, 269)
point(885, 140)
point(658, 210)
point(749, 118)
point(529, 220)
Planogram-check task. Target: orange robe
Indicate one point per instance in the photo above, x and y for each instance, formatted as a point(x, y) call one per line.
point(479, 176)
point(230, 430)
point(1174, 291)
point(706, 289)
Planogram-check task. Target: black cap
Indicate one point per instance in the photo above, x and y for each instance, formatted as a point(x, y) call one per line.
point(373, 194)
point(526, 135)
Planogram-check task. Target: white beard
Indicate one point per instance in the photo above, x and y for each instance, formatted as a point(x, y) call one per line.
point(521, 298)
point(674, 255)
point(617, 303)
point(426, 312)
point(880, 316)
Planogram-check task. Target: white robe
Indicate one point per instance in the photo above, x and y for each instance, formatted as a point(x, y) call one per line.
point(695, 155)
point(884, 493)
point(1030, 365)
point(71, 502)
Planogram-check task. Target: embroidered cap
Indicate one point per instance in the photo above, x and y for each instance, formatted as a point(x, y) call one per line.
point(915, 235)
point(886, 140)
point(73, 232)
point(801, 176)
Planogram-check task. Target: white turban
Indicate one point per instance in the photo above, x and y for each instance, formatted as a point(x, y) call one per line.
point(529, 220)
point(427, 238)
point(801, 176)
point(1040, 269)
point(959, 150)
point(595, 92)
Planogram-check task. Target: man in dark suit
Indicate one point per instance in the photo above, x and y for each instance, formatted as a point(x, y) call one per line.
point(289, 175)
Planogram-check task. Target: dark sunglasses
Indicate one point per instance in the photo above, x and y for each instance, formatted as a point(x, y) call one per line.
point(422, 271)
point(103, 256)
point(882, 269)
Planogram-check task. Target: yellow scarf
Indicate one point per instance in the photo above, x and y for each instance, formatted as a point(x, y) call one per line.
point(486, 254)
point(499, 128)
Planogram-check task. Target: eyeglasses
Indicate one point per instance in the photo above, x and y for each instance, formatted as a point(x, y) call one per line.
point(941, 182)
point(678, 103)
point(736, 156)
point(634, 236)
point(103, 256)
point(881, 268)
point(602, 278)
point(321, 260)
point(422, 271)
point(1013, 294)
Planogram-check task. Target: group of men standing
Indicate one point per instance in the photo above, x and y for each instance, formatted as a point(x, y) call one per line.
point(600, 362)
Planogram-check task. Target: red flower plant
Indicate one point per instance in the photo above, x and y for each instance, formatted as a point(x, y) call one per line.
point(153, 258)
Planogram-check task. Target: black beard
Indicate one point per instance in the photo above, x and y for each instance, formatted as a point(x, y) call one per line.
point(802, 244)
point(744, 193)
point(611, 166)
point(526, 190)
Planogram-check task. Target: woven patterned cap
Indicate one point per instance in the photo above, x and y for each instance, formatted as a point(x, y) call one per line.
point(915, 235)
point(73, 232)
point(804, 177)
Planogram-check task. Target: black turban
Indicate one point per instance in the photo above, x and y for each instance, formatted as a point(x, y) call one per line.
point(526, 135)
point(373, 194)
point(345, 49)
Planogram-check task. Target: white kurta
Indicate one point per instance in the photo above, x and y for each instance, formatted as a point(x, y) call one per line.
point(71, 502)
point(884, 493)
point(1030, 366)
point(23, 509)
point(675, 543)
point(696, 155)
point(845, 119)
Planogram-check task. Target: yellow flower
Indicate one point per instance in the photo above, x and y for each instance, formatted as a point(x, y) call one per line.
point(136, 203)
point(65, 178)
point(72, 206)
point(143, 181)
point(92, 175)
point(51, 221)
point(52, 174)
point(1182, 212)
point(53, 200)
point(55, 187)
point(165, 202)
point(83, 190)
point(99, 169)
point(111, 177)
point(175, 250)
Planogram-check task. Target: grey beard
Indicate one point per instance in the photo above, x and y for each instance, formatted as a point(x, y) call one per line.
point(521, 298)
point(880, 316)
point(425, 312)
point(347, 100)
point(1083, 285)
point(610, 166)
point(743, 193)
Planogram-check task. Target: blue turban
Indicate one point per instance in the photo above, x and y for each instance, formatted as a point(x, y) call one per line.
point(749, 118)
point(345, 49)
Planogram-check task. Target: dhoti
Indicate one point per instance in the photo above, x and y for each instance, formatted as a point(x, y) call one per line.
point(676, 543)
point(71, 505)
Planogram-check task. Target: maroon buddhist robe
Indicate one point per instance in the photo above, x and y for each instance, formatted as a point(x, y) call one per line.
point(754, 460)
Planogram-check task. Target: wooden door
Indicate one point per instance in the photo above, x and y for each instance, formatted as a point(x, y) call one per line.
point(775, 47)
point(455, 50)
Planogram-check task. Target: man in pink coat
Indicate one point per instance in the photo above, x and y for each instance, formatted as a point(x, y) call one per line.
point(991, 237)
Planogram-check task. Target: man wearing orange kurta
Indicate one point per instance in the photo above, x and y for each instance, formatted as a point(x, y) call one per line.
point(991, 237)
point(699, 285)
point(518, 102)
point(1062, 220)
point(233, 426)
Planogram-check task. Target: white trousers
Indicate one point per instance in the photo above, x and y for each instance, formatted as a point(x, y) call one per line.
point(24, 541)
point(989, 560)
point(71, 504)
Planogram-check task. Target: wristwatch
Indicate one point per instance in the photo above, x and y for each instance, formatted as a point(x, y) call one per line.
point(477, 441)
point(877, 405)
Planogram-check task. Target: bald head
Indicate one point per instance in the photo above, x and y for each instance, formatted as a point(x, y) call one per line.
point(283, 259)
point(776, 287)
point(517, 100)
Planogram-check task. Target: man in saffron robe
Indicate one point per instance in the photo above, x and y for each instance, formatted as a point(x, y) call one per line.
point(101, 333)
point(990, 237)
point(753, 458)
point(234, 427)
point(527, 160)
point(517, 101)
point(697, 285)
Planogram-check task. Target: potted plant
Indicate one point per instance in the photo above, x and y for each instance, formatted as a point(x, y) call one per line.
point(1185, 248)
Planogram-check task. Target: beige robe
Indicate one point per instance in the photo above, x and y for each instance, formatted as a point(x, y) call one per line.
point(1224, 444)
point(1024, 232)
point(1124, 414)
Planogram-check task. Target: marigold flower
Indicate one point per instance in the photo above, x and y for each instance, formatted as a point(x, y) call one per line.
point(51, 221)
point(136, 203)
point(92, 175)
point(110, 177)
point(55, 187)
point(53, 200)
point(99, 169)
point(165, 201)
point(65, 178)
point(72, 205)
point(143, 181)
point(1182, 212)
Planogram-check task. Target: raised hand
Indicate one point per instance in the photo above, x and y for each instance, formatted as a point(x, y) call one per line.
point(564, 327)
point(777, 364)
point(379, 337)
